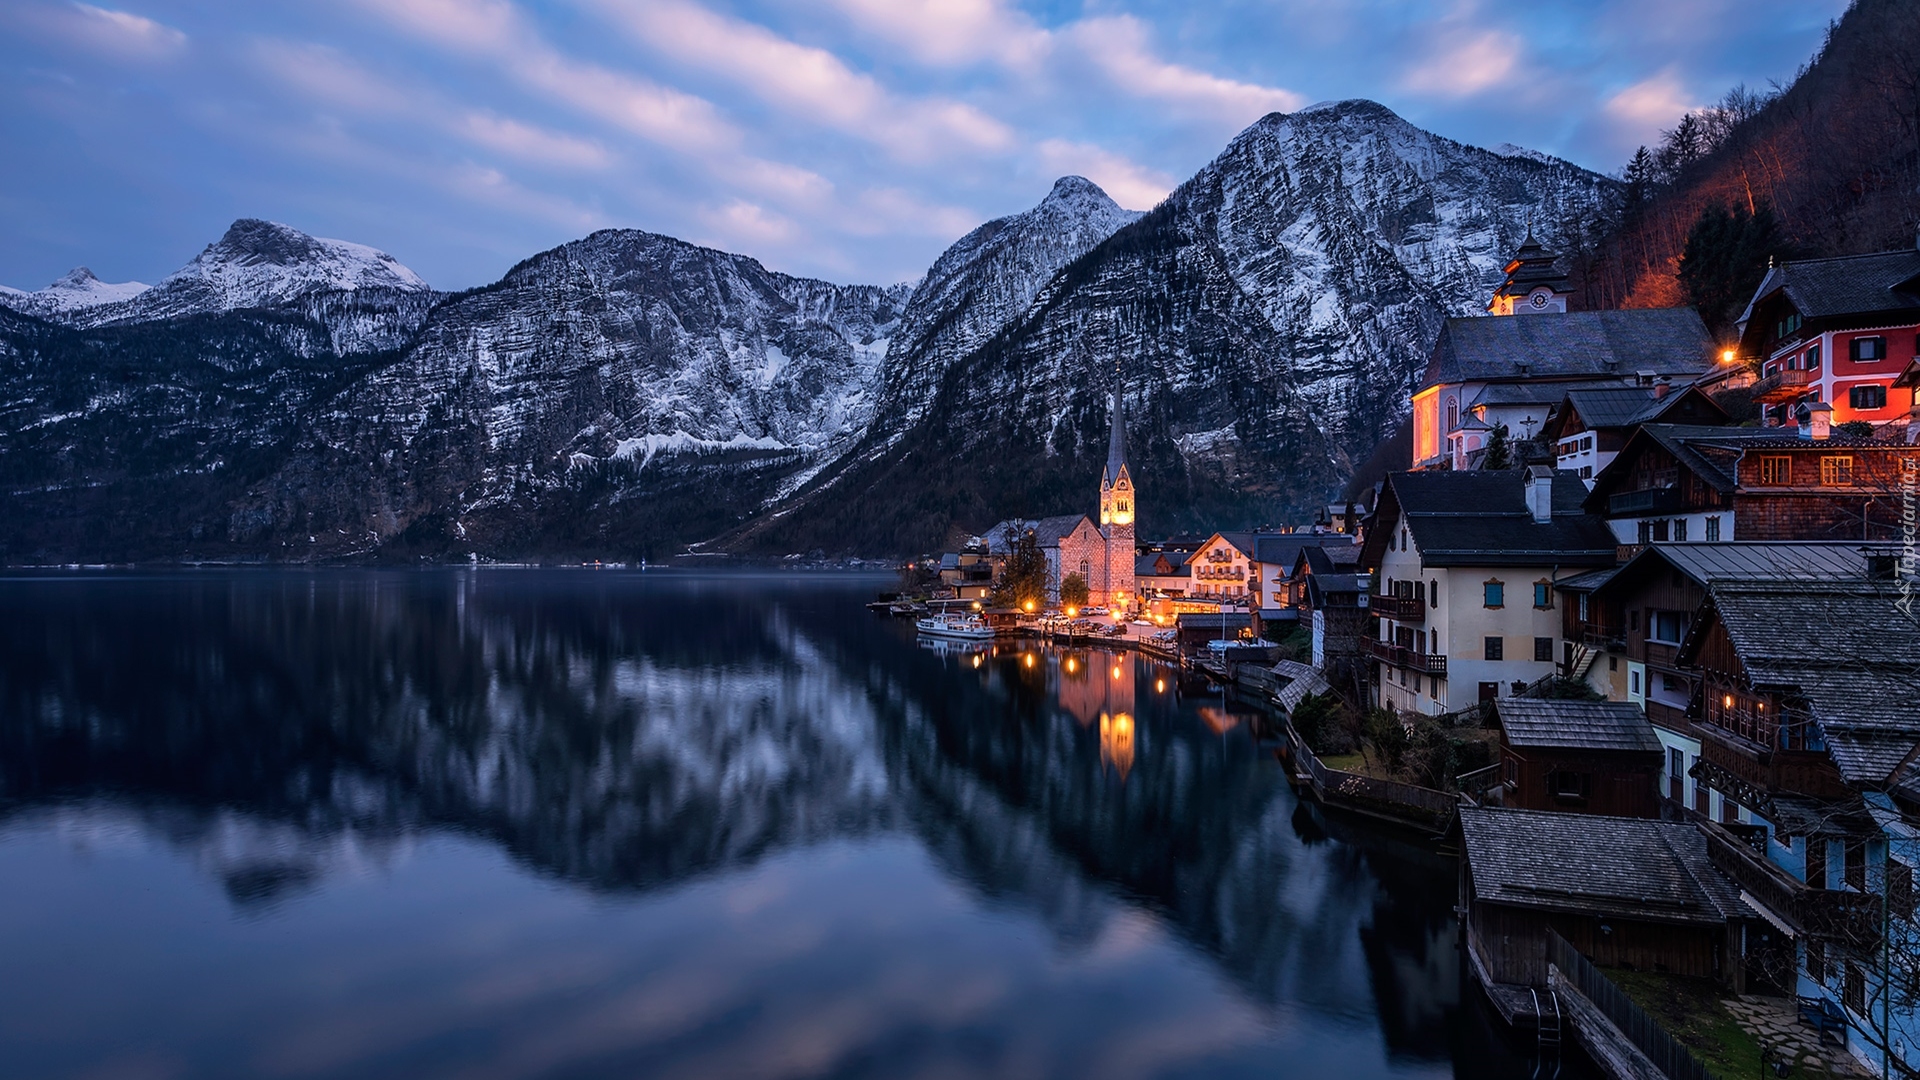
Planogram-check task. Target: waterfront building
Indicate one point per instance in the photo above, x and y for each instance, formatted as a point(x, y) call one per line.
point(1838, 331)
point(1104, 555)
point(1464, 565)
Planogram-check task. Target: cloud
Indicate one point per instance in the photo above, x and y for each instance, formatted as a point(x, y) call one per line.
point(950, 33)
point(1650, 104)
point(119, 33)
point(806, 82)
point(1121, 46)
point(1133, 186)
point(323, 75)
point(1465, 62)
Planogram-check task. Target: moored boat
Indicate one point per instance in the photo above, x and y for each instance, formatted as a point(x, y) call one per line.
point(957, 627)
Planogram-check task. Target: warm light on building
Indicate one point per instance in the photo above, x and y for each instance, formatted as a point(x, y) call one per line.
point(1029, 607)
point(1726, 356)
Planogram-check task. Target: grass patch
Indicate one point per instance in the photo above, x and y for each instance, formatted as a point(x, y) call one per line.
point(1691, 1011)
point(1352, 763)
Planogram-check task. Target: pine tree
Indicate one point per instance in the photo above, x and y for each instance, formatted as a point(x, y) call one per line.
point(1726, 258)
point(1073, 591)
point(1499, 450)
point(1023, 581)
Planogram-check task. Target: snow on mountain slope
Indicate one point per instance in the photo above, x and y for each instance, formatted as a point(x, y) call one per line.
point(78, 291)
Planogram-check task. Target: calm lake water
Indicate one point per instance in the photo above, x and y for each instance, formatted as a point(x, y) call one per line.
point(583, 824)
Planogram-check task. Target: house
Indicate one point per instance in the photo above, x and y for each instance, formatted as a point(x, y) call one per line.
point(1624, 892)
point(1162, 573)
point(1710, 484)
point(1837, 331)
point(1222, 569)
point(968, 573)
point(1271, 569)
point(1589, 427)
point(1623, 629)
point(1464, 566)
point(1330, 591)
point(1590, 757)
point(1810, 734)
point(1488, 372)
point(1198, 631)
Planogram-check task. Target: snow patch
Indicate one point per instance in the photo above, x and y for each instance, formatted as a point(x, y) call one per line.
point(682, 442)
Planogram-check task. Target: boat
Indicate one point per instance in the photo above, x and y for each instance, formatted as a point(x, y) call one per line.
point(957, 627)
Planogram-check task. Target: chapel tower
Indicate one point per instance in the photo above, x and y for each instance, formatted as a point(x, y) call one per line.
point(1534, 285)
point(1117, 505)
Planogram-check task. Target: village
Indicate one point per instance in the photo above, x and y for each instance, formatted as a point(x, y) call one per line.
point(1634, 634)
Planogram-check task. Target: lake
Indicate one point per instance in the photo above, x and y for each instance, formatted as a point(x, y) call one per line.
point(498, 823)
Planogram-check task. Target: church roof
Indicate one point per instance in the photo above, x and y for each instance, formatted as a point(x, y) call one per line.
point(1116, 444)
point(1047, 531)
point(1573, 345)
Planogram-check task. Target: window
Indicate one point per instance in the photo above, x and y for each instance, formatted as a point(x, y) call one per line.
point(1672, 683)
point(1433, 594)
point(1543, 649)
point(1453, 415)
point(1854, 870)
point(1666, 627)
point(1787, 325)
point(1776, 469)
point(1700, 793)
point(1569, 785)
point(1900, 890)
point(1679, 529)
point(1646, 532)
point(1543, 594)
point(1676, 778)
point(1854, 990)
point(1868, 348)
point(1495, 594)
point(1633, 682)
point(1867, 396)
point(1660, 530)
point(1817, 961)
point(1816, 862)
point(1836, 471)
point(1813, 357)
point(1713, 529)
point(1496, 648)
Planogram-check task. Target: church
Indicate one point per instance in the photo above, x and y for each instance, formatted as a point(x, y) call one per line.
point(1103, 554)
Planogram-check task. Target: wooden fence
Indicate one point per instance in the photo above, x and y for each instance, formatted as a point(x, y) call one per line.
point(1642, 1030)
point(1390, 796)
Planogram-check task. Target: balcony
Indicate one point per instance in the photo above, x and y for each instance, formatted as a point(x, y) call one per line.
point(1610, 638)
point(1660, 500)
point(1388, 653)
point(1782, 386)
point(1403, 608)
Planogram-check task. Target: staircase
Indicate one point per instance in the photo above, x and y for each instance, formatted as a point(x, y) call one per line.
point(1583, 658)
point(1548, 1035)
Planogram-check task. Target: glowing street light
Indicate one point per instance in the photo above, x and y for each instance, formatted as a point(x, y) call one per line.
point(1726, 356)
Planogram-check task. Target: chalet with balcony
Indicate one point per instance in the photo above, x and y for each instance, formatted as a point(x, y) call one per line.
point(1162, 574)
point(1274, 557)
point(1464, 566)
point(1807, 723)
point(1682, 483)
point(1222, 569)
point(1838, 331)
point(1588, 757)
point(1589, 427)
point(1624, 628)
point(1486, 372)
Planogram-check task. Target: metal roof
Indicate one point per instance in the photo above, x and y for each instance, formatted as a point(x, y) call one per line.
point(1740, 560)
point(1576, 725)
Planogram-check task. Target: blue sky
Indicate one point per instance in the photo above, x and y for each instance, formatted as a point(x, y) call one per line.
point(847, 139)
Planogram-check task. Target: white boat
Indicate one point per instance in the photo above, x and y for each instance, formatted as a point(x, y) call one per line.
point(957, 627)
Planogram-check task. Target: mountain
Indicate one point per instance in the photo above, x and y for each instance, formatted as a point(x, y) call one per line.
point(628, 394)
point(1835, 156)
point(77, 292)
point(1267, 324)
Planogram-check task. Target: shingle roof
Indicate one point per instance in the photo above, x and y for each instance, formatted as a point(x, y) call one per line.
point(1633, 868)
point(1848, 285)
point(1844, 647)
point(1303, 680)
point(1048, 531)
point(1576, 725)
point(1147, 565)
point(1708, 452)
point(1281, 549)
point(1480, 518)
point(1582, 344)
point(1810, 560)
point(1588, 581)
point(1626, 406)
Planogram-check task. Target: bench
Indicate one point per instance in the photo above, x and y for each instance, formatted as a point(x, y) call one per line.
point(1825, 1017)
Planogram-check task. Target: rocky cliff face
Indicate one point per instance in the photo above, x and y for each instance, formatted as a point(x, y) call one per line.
point(628, 393)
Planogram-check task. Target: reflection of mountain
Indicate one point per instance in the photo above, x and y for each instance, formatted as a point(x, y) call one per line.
point(629, 733)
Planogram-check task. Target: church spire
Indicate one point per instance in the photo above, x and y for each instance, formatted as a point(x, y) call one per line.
point(1116, 443)
point(1116, 485)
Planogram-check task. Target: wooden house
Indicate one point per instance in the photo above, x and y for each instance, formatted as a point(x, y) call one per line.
point(1626, 892)
point(1691, 484)
point(1589, 427)
point(1589, 757)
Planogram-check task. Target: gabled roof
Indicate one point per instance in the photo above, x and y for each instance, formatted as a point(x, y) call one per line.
point(1617, 407)
point(1710, 453)
point(1047, 531)
point(1848, 285)
point(1148, 565)
point(1575, 345)
point(1845, 647)
point(1758, 561)
point(1302, 680)
point(1241, 542)
point(1481, 519)
point(1282, 549)
point(1632, 868)
point(1576, 725)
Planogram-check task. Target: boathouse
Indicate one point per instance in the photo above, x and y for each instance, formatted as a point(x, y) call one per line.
point(1625, 892)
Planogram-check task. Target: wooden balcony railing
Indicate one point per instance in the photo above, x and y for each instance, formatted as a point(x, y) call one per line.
point(1781, 386)
point(1399, 656)
point(1403, 608)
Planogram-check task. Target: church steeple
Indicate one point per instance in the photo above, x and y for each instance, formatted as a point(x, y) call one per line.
point(1534, 284)
point(1116, 484)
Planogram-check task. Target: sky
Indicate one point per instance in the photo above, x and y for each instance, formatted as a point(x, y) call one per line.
point(851, 140)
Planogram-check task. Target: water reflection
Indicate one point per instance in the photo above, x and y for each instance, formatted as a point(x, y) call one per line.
point(827, 849)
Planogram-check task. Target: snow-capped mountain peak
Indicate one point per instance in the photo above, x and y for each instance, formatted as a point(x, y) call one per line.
point(77, 290)
point(259, 263)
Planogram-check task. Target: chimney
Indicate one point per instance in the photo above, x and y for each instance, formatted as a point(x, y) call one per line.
point(1539, 484)
point(1816, 420)
point(1660, 387)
